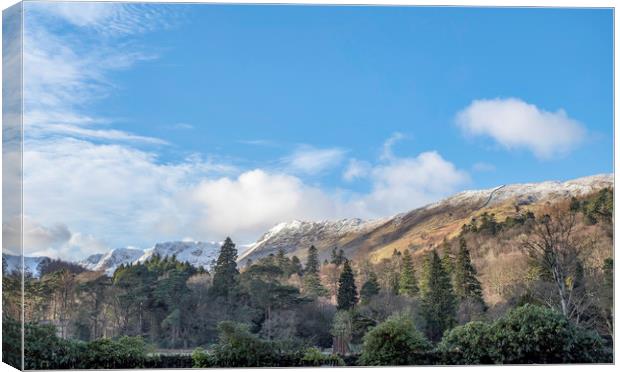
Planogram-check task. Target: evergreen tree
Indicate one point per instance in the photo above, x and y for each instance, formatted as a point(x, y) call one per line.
point(225, 272)
point(423, 284)
point(312, 283)
point(448, 258)
point(370, 288)
point(466, 285)
point(347, 292)
point(334, 255)
point(438, 301)
point(296, 267)
point(312, 262)
point(408, 285)
point(337, 257)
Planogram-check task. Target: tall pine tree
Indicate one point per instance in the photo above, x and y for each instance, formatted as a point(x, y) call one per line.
point(466, 284)
point(347, 292)
point(312, 286)
point(438, 300)
point(312, 262)
point(447, 258)
point(408, 285)
point(225, 272)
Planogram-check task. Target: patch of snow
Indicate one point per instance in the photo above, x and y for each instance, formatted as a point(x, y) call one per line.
point(32, 265)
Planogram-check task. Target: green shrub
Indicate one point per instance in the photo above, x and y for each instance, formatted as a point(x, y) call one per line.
point(11, 342)
point(314, 358)
point(393, 342)
point(467, 344)
point(525, 335)
point(108, 354)
point(202, 359)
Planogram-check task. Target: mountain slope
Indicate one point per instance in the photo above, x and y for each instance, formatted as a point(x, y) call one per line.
point(198, 254)
point(291, 235)
point(32, 265)
point(110, 261)
point(420, 228)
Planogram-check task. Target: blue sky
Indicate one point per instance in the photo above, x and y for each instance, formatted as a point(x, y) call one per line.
point(201, 121)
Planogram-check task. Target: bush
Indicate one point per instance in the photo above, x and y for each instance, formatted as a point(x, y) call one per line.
point(393, 342)
point(11, 342)
point(467, 344)
point(533, 334)
point(202, 359)
point(314, 358)
point(44, 350)
point(108, 354)
point(525, 335)
point(169, 361)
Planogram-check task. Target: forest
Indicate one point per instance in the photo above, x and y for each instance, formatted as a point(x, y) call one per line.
point(535, 287)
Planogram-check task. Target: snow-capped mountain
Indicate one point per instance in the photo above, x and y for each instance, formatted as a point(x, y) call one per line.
point(291, 235)
point(418, 228)
point(198, 254)
point(531, 192)
point(108, 262)
point(32, 265)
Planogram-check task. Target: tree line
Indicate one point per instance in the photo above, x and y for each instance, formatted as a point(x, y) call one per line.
point(277, 311)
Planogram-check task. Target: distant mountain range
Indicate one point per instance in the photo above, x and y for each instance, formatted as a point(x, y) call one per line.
point(417, 230)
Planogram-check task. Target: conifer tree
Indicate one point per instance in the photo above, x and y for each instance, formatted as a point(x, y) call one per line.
point(337, 256)
point(312, 262)
point(370, 288)
point(438, 301)
point(448, 258)
point(312, 283)
point(408, 284)
point(225, 272)
point(296, 267)
point(347, 292)
point(466, 285)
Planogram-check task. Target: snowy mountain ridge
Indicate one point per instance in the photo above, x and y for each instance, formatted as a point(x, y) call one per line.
point(349, 233)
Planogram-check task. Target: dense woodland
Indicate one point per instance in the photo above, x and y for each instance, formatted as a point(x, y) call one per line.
point(463, 302)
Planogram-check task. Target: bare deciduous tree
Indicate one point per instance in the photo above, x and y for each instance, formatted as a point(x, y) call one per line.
point(556, 250)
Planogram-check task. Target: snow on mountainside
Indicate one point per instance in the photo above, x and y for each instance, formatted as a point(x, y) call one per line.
point(531, 192)
point(421, 227)
point(416, 228)
point(32, 265)
point(195, 253)
point(110, 261)
point(289, 235)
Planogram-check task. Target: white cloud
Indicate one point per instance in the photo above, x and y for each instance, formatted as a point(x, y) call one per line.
point(251, 203)
point(356, 169)
point(406, 183)
point(311, 160)
point(387, 153)
point(110, 191)
point(516, 124)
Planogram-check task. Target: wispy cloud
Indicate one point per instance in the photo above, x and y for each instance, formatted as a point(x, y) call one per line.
point(311, 160)
point(356, 169)
point(387, 152)
point(63, 74)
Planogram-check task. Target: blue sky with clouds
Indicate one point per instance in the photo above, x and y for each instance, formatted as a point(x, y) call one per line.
point(164, 122)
